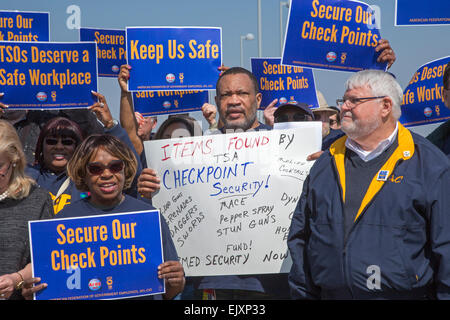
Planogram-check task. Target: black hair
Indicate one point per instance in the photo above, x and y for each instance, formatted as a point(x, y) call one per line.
point(238, 70)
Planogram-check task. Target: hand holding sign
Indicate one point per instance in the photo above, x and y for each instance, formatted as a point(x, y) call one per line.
point(173, 274)
point(148, 182)
point(124, 76)
point(31, 286)
point(387, 53)
point(101, 110)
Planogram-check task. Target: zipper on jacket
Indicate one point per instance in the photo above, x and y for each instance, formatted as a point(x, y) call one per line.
point(346, 271)
point(344, 240)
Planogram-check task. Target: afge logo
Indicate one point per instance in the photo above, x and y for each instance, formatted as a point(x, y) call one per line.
point(170, 77)
point(167, 104)
point(428, 112)
point(41, 96)
point(94, 284)
point(331, 56)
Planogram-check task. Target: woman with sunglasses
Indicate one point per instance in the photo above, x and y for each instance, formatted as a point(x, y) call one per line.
point(20, 201)
point(56, 144)
point(104, 166)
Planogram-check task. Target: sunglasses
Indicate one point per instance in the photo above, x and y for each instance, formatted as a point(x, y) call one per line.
point(295, 117)
point(64, 142)
point(96, 168)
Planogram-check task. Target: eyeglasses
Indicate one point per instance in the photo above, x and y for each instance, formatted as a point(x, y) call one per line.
point(355, 101)
point(96, 168)
point(64, 142)
point(295, 117)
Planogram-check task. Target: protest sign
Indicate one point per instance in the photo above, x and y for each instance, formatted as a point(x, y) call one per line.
point(419, 12)
point(285, 83)
point(150, 103)
point(423, 102)
point(173, 58)
point(24, 26)
point(228, 198)
point(332, 34)
point(48, 75)
point(98, 257)
point(110, 49)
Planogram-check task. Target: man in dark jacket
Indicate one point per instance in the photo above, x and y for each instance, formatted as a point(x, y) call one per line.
point(373, 218)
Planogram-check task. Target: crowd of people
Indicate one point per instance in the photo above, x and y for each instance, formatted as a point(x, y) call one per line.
point(372, 220)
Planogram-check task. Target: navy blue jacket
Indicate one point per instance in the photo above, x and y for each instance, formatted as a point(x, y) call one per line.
point(399, 244)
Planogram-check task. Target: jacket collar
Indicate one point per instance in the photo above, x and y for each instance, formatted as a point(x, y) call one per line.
point(404, 151)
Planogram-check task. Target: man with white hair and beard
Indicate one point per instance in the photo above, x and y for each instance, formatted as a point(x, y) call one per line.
point(373, 218)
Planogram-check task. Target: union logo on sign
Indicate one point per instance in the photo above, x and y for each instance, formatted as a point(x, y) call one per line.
point(170, 77)
point(427, 112)
point(283, 100)
point(41, 96)
point(94, 284)
point(331, 56)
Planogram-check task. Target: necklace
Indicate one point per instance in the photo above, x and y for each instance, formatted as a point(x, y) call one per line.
point(4, 195)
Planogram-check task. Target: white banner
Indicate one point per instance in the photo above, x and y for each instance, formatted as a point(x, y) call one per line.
point(228, 198)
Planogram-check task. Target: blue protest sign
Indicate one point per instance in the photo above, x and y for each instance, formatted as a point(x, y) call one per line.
point(98, 257)
point(285, 83)
point(419, 12)
point(173, 58)
point(24, 26)
point(111, 46)
point(423, 102)
point(151, 103)
point(48, 75)
point(332, 34)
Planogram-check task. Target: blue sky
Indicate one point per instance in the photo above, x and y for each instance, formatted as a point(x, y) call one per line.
point(414, 46)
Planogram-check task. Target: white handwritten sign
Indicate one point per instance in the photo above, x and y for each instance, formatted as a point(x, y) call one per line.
point(228, 198)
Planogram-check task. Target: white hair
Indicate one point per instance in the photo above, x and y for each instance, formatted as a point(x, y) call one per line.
point(381, 84)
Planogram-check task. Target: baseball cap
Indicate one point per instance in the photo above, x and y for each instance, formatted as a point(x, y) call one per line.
point(303, 106)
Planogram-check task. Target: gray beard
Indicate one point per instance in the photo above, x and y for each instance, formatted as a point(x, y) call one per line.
point(356, 130)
